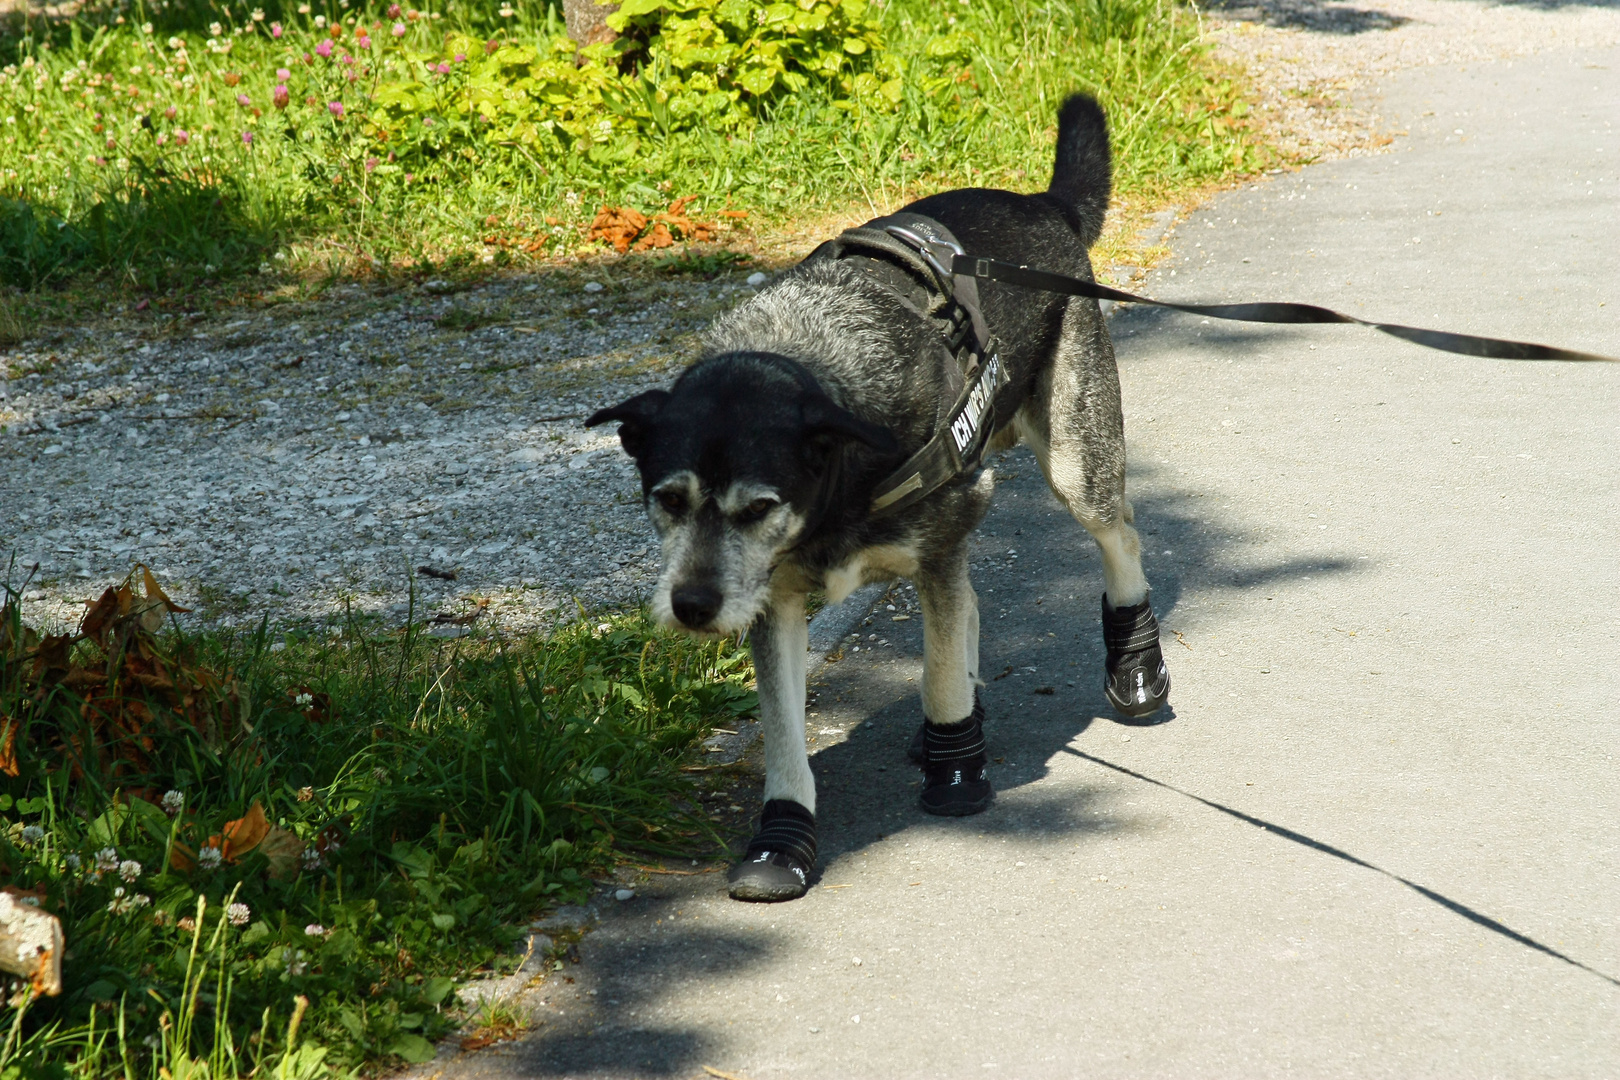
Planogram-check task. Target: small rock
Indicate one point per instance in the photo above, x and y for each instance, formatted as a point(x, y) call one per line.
point(593, 286)
point(624, 894)
point(756, 279)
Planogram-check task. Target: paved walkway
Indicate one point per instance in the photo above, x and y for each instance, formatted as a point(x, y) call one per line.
point(1380, 835)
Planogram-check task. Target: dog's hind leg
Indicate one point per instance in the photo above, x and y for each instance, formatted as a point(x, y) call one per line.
point(1075, 425)
point(778, 860)
point(955, 760)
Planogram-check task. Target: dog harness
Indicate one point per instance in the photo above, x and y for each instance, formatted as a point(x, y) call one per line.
point(920, 249)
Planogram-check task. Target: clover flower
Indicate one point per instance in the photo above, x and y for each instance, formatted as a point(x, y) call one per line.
point(363, 41)
point(72, 862)
point(315, 929)
point(210, 857)
point(313, 860)
point(461, 58)
point(393, 11)
point(324, 49)
point(283, 74)
point(305, 794)
point(244, 101)
point(371, 164)
point(399, 27)
point(169, 113)
point(129, 869)
point(187, 923)
point(247, 138)
point(32, 835)
point(173, 801)
point(239, 914)
point(122, 904)
point(181, 136)
point(297, 962)
point(335, 108)
point(443, 69)
point(107, 860)
point(279, 97)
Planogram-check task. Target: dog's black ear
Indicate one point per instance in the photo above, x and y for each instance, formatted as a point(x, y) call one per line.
point(826, 422)
point(633, 415)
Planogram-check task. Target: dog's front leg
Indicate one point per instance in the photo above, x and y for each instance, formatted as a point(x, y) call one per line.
point(954, 758)
point(781, 855)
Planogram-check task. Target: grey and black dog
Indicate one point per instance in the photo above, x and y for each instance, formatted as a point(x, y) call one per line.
point(758, 469)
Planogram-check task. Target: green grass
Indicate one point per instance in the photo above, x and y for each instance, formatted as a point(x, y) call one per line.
point(425, 798)
point(93, 181)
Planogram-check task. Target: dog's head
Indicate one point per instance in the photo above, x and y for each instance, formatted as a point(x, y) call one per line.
point(736, 461)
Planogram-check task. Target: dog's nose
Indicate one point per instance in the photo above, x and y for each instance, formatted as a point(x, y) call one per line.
point(696, 605)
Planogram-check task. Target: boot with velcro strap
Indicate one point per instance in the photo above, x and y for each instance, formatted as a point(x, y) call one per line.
point(1137, 682)
point(778, 861)
point(956, 766)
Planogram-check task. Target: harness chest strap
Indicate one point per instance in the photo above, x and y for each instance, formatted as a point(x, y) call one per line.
point(927, 248)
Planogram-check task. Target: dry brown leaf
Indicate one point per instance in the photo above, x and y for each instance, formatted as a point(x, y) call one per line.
point(283, 849)
point(245, 833)
point(8, 746)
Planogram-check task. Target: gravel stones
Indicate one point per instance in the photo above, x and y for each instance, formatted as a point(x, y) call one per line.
point(290, 458)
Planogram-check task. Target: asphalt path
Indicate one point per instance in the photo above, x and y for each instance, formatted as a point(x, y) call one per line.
point(1379, 833)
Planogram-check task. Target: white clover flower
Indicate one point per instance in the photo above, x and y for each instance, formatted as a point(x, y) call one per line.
point(297, 962)
point(120, 904)
point(303, 700)
point(312, 859)
point(239, 914)
point(214, 29)
point(72, 862)
point(129, 869)
point(107, 859)
point(173, 801)
point(315, 929)
point(32, 835)
point(140, 900)
point(258, 14)
point(209, 858)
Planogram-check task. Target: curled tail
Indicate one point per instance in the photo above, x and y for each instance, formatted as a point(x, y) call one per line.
point(1082, 176)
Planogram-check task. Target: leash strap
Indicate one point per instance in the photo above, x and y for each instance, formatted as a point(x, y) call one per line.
point(1466, 344)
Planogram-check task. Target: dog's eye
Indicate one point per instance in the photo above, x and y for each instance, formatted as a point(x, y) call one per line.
point(673, 502)
point(757, 509)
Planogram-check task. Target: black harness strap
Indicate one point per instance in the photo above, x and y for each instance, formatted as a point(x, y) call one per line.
point(927, 249)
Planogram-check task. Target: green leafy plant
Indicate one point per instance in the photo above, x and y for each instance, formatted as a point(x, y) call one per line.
point(389, 811)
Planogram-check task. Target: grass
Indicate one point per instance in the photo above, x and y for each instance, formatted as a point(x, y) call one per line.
point(95, 182)
point(227, 826)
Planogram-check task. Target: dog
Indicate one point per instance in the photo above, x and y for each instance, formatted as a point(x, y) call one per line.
point(759, 465)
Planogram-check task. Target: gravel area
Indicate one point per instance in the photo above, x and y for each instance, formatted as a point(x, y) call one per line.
point(293, 455)
point(1312, 62)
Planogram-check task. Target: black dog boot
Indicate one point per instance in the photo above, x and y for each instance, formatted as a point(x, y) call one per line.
point(779, 858)
point(1137, 682)
point(918, 750)
point(956, 771)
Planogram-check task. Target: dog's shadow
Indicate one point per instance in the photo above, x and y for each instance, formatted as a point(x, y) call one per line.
point(1041, 654)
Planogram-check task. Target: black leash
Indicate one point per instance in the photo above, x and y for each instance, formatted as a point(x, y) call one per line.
point(958, 445)
point(1466, 344)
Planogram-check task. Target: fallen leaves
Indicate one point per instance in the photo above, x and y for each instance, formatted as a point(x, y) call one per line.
point(248, 833)
point(626, 229)
point(124, 686)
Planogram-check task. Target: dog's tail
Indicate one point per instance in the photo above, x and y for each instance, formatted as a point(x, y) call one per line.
point(1082, 177)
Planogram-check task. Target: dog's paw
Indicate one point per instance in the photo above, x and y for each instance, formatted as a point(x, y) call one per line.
point(956, 767)
point(780, 857)
point(1136, 682)
point(769, 877)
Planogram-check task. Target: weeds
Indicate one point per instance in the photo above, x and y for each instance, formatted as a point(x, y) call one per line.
point(206, 145)
point(365, 819)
